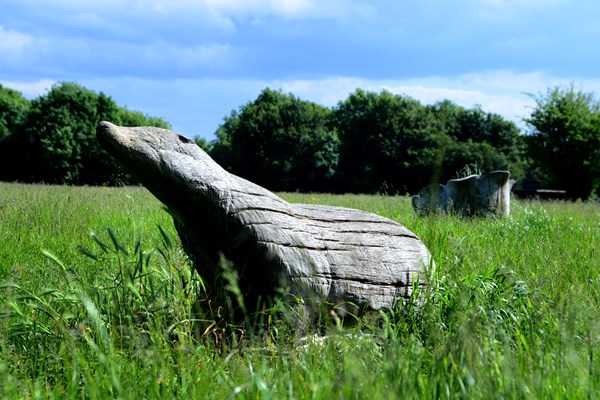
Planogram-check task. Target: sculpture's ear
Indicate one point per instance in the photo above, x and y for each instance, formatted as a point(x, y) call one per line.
point(496, 178)
point(184, 139)
point(432, 191)
point(462, 184)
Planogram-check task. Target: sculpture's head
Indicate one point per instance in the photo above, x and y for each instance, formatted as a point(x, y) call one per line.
point(145, 148)
point(159, 158)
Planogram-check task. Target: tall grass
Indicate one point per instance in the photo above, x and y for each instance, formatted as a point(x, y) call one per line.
point(99, 301)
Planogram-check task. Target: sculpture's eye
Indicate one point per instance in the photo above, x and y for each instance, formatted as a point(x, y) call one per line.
point(184, 139)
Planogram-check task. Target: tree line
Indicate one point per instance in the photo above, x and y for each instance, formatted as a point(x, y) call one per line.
point(52, 139)
point(368, 143)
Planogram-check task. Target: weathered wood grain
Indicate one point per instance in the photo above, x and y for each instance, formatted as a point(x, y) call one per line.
point(321, 254)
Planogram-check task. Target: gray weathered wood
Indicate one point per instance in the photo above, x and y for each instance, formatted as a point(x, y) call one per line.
point(475, 195)
point(321, 254)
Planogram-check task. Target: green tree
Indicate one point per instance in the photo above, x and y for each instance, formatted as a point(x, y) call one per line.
point(564, 142)
point(203, 143)
point(60, 134)
point(387, 143)
point(13, 108)
point(127, 117)
point(280, 142)
point(57, 142)
point(475, 137)
point(395, 144)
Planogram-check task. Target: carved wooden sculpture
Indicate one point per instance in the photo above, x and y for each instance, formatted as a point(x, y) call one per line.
point(321, 254)
point(475, 195)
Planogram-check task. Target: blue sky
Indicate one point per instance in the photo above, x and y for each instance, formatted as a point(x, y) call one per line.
point(194, 61)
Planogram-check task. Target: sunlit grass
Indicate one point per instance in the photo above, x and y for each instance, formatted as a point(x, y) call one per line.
point(511, 312)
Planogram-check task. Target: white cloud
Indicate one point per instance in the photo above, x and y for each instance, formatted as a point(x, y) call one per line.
point(166, 55)
point(284, 8)
point(13, 42)
point(327, 92)
point(18, 51)
point(467, 91)
point(511, 106)
point(502, 92)
point(201, 55)
point(222, 11)
point(197, 106)
point(519, 3)
point(77, 4)
point(30, 89)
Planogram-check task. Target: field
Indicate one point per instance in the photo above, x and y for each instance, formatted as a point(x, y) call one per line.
point(97, 301)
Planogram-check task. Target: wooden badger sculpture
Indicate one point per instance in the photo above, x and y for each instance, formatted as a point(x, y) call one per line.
point(322, 255)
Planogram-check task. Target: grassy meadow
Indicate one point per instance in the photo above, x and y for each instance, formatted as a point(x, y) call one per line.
point(97, 300)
